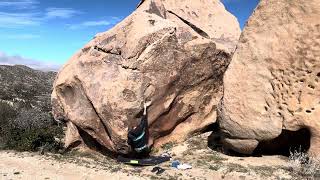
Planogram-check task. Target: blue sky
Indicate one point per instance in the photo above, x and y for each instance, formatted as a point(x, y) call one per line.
point(50, 31)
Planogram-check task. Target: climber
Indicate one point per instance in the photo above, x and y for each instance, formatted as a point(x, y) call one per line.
point(138, 136)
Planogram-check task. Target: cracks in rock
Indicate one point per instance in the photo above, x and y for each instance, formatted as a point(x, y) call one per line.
point(194, 27)
point(179, 121)
point(138, 54)
point(93, 107)
point(118, 53)
point(174, 104)
point(166, 111)
point(126, 67)
point(152, 42)
point(100, 49)
point(267, 108)
point(214, 77)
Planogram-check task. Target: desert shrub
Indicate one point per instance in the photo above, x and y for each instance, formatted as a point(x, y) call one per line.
point(304, 165)
point(168, 146)
point(7, 113)
point(31, 130)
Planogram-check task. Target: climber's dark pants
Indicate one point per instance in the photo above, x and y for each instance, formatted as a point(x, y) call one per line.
point(138, 139)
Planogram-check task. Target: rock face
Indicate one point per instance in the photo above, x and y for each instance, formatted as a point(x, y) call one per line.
point(172, 53)
point(273, 81)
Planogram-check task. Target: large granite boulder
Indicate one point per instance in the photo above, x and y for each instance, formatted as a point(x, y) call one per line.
point(273, 81)
point(170, 52)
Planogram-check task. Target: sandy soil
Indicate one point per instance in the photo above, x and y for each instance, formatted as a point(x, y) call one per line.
point(32, 166)
point(206, 163)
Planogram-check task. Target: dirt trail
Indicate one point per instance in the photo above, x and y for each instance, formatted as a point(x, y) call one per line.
point(206, 164)
point(31, 166)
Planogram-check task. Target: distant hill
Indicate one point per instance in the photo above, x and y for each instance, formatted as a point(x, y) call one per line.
point(21, 85)
point(6, 59)
point(26, 123)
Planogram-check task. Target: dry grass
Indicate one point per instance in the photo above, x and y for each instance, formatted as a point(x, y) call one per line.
point(168, 146)
point(304, 165)
point(232, 167)
point(264, 171)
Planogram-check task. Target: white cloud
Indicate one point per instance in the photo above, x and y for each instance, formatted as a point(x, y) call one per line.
point(109, 21)
point(30, 18)
point(19, 4)
point(61, 13)
point(97, 23)
point(18, 19)
point(18, 60)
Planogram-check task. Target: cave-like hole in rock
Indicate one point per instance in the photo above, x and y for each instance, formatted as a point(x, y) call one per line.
point(311, 86)
point(93, 144)
point(287, 142)
point(214, 139)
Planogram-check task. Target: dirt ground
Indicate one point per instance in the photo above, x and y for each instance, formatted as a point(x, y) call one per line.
point(206, 164)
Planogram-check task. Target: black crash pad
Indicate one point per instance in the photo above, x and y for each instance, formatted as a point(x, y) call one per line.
point(149, 161)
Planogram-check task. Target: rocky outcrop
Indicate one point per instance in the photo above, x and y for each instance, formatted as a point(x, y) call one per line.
point(272, 83)
point(172, 53)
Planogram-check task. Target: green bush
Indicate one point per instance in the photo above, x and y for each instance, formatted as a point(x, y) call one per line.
point(28, 130)
point(33, 139)
point(7, 113)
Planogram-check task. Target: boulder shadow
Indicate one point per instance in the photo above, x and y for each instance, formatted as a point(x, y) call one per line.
point(286, 142)
point(283, 145)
